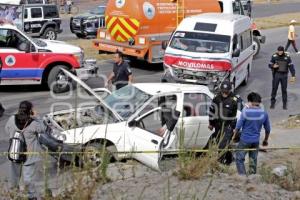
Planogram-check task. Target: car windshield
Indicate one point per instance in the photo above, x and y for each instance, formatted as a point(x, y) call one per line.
point(200, 42)
point(98, 11)
point(127, 100)
point(39, 42)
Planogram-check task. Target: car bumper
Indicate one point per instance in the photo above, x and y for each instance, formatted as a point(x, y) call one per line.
point(89, 69)
point(167, 77)
point(85, 32)
point(58, 149)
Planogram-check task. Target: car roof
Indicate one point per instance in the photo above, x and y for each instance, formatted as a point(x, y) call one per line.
point(8, 25)
point(160, 88)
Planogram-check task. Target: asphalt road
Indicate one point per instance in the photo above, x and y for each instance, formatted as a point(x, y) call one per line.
point(260, 81)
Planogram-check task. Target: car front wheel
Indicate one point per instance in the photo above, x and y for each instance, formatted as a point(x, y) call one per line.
point(57, 81)
point(95, 155)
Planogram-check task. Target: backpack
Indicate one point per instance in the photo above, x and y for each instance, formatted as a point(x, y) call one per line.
point(17, 147)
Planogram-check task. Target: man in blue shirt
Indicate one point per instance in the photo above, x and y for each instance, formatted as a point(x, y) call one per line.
point(253, 117)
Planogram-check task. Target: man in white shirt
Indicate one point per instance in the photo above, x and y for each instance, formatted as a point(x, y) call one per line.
point(292, 36)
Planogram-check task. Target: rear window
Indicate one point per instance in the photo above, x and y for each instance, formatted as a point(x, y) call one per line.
point(36, 13)
point(50, 12)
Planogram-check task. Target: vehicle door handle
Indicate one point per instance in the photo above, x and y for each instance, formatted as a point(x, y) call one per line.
point(154, 141)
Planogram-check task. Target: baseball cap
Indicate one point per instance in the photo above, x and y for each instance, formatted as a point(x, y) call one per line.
point(293, 21)
point(280, 48)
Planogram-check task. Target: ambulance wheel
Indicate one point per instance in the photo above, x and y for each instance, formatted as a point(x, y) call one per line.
point(50, 34)
point(57, 81)
point(257, 45)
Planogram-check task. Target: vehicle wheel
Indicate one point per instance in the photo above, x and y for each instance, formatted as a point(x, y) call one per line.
point(79, 35)
point(94, 155)
point(257, 45)
point(57, 80)
point(50, 34)
point(233, 85)
point(245, 82)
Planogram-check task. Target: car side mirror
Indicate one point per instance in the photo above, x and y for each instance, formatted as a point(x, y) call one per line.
point(236, 53)
point(133, 123)
point(164, 45)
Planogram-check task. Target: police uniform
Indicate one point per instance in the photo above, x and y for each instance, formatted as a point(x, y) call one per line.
point(222, 116)
point(280, 75)
point(122, 72)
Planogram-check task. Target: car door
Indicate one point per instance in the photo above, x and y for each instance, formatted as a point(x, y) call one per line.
point(17, 64)
point(195, 119)
point(33, 22)
point(144, 140)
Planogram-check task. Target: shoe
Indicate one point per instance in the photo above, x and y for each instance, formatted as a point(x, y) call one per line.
point(284, 107)
point(272, 106)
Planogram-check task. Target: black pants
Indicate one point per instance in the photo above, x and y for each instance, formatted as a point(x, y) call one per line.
point(281, 78)
point(222, 140)
point(293, 42)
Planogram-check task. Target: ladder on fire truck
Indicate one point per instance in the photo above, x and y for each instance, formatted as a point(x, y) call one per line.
point(180, 11)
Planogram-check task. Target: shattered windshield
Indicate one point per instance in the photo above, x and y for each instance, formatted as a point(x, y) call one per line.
point(127, 100)
point(200, 42)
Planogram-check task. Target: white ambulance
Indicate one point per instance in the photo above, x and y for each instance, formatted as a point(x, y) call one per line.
point(209, 48)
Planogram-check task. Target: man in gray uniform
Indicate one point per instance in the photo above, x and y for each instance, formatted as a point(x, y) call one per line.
point(280, 65)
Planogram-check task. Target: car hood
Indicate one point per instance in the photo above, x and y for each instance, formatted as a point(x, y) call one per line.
point(86, 16)
point(92, 92)
point(61, 47)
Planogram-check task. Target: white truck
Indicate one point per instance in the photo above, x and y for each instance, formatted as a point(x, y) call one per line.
point(209, 48)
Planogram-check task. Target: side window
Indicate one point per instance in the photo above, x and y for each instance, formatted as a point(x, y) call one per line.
point(3, 37)
point(246, 39)
point(240, 42)
point(36, 12)
point(169, 101)
point(26, 14)
point(196, 104)
point(152, 122)
point(50, 12)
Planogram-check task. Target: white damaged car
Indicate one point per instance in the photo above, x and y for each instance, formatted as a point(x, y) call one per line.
point(139, 121)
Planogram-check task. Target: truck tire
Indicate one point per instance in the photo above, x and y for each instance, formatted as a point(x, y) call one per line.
point(257, 45)
point(50, 34)
point(57, 81)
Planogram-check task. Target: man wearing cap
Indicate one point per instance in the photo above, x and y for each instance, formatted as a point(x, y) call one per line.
point(222, 118)
point(292, 36)
point(280, 65)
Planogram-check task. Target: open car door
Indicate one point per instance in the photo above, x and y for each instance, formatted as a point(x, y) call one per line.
point(147, 136)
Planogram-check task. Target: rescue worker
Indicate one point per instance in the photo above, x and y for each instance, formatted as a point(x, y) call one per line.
point(280, 64)
point(121, 74)
point(26, 122)
point(222, 118)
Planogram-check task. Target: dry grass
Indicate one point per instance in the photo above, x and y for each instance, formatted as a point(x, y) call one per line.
point(276, 21)
point(291, 123)
point(291, 179)
point(89, 50)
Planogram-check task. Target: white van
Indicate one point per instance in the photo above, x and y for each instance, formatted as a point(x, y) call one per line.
point(209, 48)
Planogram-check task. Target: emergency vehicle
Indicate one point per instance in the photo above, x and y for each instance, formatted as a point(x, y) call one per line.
point(209, 48)
point(138, 28)
point(28, 61)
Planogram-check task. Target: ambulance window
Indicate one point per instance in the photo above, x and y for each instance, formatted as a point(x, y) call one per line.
point(36, 12)
point(246, 39)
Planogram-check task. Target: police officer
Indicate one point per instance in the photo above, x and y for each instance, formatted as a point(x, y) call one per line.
point(121, 74)
point(222, 118)
point(280, 64)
